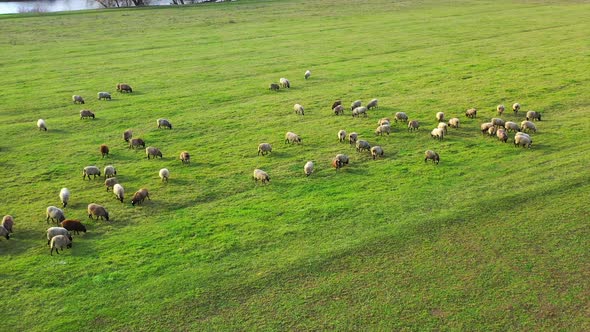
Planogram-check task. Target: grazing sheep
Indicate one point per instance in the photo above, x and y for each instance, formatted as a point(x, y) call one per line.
point(528, 126)
point(338, 109)
point(492, 131)
point(384, 128)
point(383, 121)
point(532, 115)
point(343, 159)
point(98, 211)
point(110, 171)
point(273, 87)
point(90, 170)
point(119, 192)
point(260, 175)
point(454, 122)
point(307, 74)
point(437, 133)
point(516, 108)
point(64, 196)
point(376, 151)
point(136, 142)
point(55, 231)
point(104, 95)
point(355, 104)
point(104, 150)
point(140, 196)
point(123, 87)
point(41, 124)
point(164, 123)
point(164, 174)
point(264, 148)
point(185, 157)
point(284, 83)
point(522, 140)
point(110, 182)
point(336, 103)
point(7, 223)
point(77, 99)
point(443, 126)
point(154, 152)
point(431, 155)
point(55, 213)
point(511, 126)
point(59, 242)
point(362, 145)
point(471, 113)
point(440, 116)
point(127, 135)
point(497, 122)
point(292, 138)
point(298, 109)
point(358, 111)
point(337, 164)
point(73, 226)
point(308, 168)
point(413, 125)
point(86, 114)
point(4, 232)
point(372, 104)
point(502, 135)
point(352, 137)
point(341, 135)
point(485, 126)
point(500, 108)
point(400, 116)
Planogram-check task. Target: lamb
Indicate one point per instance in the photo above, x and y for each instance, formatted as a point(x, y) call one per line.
point(260, 175)
point(119, 192)
point(4, 233)
point(355, 104)
point(497, 122)
point(140, 196)
point(90, 170)
point(64, 196)
point(77, 99)
point(454, 122)
point(440, 116)
point(437, 133)
point(273, 87)
point(109, 171)
point(502, 135)
point(516, 108)
point(307, 74)
point(73, 226)
point(41, 125)
point(338, 109)
point(471, 113)
point(154, 152)
point(56, 214)
point(343, 159)
point(98, 211)
point(372, 104)
point(284, 83)
point(511, 126)
point(376, 151)
point(401, 116)
point(359, 110)
point(341, 135)
point(110, 182)
point(336, 103)
point(104, 95)
point(104, 150)
point(383, 121)
point(123, 87)
point(59, 242)
point(308, 168)
point(522, 140)
point(500, 108)
point(55, 231)
point(527, 126)
point(352, 137)
point(413, 125)
point(86, 114)
point(136, 142)
point(292, 138)
point(485, 126)
point(362, 145)
point(7, 223)
point(164, 174)
point(431, 155)
point(384, 128)
point(443, 126)
point(264, 148)
point(298, 109)
point(532, 115)
point(185, 157)
point(127, 135)
point(164, 123)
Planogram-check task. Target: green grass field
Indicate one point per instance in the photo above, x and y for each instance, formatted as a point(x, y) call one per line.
point(493, 238)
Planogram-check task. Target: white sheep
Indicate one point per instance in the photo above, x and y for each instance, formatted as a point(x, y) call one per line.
point(497, 122)
point(185, 157)
point(77, 99)
point(307, 74)
point(522, 140)
point(264, 148)
point(359, 110)
point(41, 124)
point(55, 231)
point(86, 114)
point(119, 192)
point(384, 128)
point(372, 104)
point(154, 152)
point(109, 171)
point(355, 104)
point(413, 125)
point(341, 135)
point(291, 137)
point(98, 211)
point(110, 182)
point(437, 133)
point(532, 115)
point(528, 126)
point(260, 175)
point(511, 126)
point(431, 155)
point(471, 113)
point(485, 126)
point(443, 126)
point(298, 109)
point(383, 121)
point(90, 170)
point(440, 116)
point(362, 145)
point(376, 151)
point(500, 109)
point(59, 242)
point(64, 196)
point(308, 168)
point(454, 122)
point(352, 137)
point(7, 223)
point(502, 135)
point(338, 109)
point(104, 95)
point(284, 83)
point(55, 214)
point(164, 123)
point(164, 174)
point(400, 116)
point(515, 108)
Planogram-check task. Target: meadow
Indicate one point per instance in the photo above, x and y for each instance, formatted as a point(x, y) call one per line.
point(493, 238)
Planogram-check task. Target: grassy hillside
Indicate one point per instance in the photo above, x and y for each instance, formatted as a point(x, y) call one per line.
point(493, 238)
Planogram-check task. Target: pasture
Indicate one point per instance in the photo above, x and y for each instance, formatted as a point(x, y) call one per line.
point(493, 238)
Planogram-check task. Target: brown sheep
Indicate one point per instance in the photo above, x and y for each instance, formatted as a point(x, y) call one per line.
point(471, 113)
point(104, 150)
point(98, 211)
point(336, 164)
point(122, 87)
point(185, 157)
point(336, 103)
point(140, 196)
point(8, 222)
point(154, 152)
point(338, 110)
point(73, 226)
point(136, 142)
point(127, 135)
point(431, 155)
point(413, 125)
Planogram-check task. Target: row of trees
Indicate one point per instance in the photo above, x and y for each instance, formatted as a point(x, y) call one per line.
point(131, 3)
